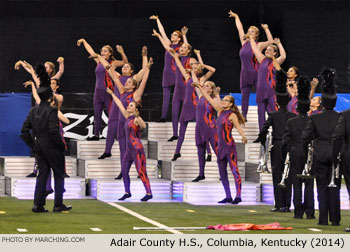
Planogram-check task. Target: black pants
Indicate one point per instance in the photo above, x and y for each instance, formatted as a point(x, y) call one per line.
point(282, 195)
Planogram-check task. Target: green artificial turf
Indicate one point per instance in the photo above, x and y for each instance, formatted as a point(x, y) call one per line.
point(92, 213)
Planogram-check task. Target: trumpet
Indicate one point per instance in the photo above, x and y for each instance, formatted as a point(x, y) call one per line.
point(264, 155)
point(335, 171)
point(285, 172)
point(307, 168)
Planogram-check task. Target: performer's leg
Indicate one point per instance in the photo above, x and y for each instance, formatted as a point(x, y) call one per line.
point(166, 101)
point(322, 197)
point(232, 161)
point(224, 178)
point(175, 111)
point(277, 169)
point(245, 91)
point(140, 163)
point(59, 188)
point(214, 140)
point(40, 186)
point(201, 158)
point(183, 127)
point(97, 118)
point(297, 197)
point(48, 184)
point(271, 104)
point(309, 201)
point(262, 106)
point(334, 202)
point(126, 178)
point(111, 135)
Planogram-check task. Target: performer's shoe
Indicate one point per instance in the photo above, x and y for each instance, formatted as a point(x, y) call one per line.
point(147, 197)
point(236, 200)
point(310, 217)
point(32, 175)
point(199, 178)
point(94, 138)
point(173, 138)
point(176, 156)
point(322, 223)
point(48, 192)
point(335, 224)
point(65, 175)
point(275, 209)
point(125, 196)
point(161, 120)
point(119, 176)
point(105, 155)
point(347, 229)
point(225, 200)
point(61, 208)
point(39, 209)
point(285, 210)
point(208, 158)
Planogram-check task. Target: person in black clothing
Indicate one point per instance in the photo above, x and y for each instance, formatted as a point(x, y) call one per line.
point(291, 142)
point(278, 120)
point(341, 144)
point(48, 146)
point(320, 128)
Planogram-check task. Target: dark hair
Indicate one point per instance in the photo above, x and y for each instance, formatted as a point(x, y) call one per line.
point(131, 66)
point(58, 83)
point(275, 48)
point(235, 110)
point(296, 70)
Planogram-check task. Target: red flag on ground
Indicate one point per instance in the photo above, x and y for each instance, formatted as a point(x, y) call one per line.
point(249, 226)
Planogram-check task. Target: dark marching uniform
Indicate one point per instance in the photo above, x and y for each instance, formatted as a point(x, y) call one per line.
point(292, 143)
point(320, 128)
point(341, 136)
point(278, 120)
point(48, 150)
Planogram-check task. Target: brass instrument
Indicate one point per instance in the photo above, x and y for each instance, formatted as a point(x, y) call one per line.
point(285, 172)
point(264, 155)
point(307, 168)
point(335, 171)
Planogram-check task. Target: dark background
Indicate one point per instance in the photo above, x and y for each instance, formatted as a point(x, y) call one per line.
point(314, 34)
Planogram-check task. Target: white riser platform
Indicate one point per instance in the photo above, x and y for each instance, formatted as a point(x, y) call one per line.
point(22, 166)
point(210, 193)
point(111, 190)
point(163, 131)
point(110, 168)
point(267, 196)
point(189, 170)
point(83, 149)
point(23, 188)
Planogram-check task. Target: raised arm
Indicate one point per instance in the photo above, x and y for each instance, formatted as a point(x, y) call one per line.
point(211, 70)
point(234, 119)
point(258, 54)
point(34, 91)
point(24, 65)
point(238, 25)
point(179, 64)
point(164, 43)
point(88, 48)
point(62, 118)
point(58, 75)
point(139, 76)
point(283, 54)
point(313, 85)
point(119, 63)
point(195, 79)
point(118, 102)
point(138, 93)
point(207, 97)
point(161, 29)
point(184, 31)
point(263, 45)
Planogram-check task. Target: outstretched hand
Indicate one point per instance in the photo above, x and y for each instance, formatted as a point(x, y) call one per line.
point(314, 83)
point(232, 14)
point(195, 84)
point(154, 17)
point(144, 51)
point(109, 91)
point(184, 30)
point(93, 56)
point(18, 65)
point(120, 49)
point(155, 33)
point(150, 63)
point(244, 140)
point(217, 90)
point(264, 26)
point(196, 51)
point(276, 41)
point(28, 83)
point(60, 60)
point(80, 41)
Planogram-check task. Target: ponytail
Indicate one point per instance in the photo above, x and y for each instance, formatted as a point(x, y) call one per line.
point(235, 110)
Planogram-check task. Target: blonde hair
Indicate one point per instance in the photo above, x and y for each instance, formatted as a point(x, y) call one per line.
point(52, 66)
point(213, 87)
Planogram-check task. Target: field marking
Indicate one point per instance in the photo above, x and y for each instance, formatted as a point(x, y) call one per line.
point(2, 212)
point(252, 211)
point(315, 229)
point(190, 211)
point(22, 230)
point(141, 217)
point(96, 229)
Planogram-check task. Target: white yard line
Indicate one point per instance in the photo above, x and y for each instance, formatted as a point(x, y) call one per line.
point(141, 217)
point(315, 229)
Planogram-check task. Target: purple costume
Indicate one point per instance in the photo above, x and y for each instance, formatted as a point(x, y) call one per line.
point(265, 94)
point(227, 153)
point(315, 112)
point(188, 112)
point(292, 105)
point(249, 74)
point(113, 118)
point(134, 153)
point(179, 93)
point(101, 97)
point(168, 78)
point(205, 131)
point(125, 98)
